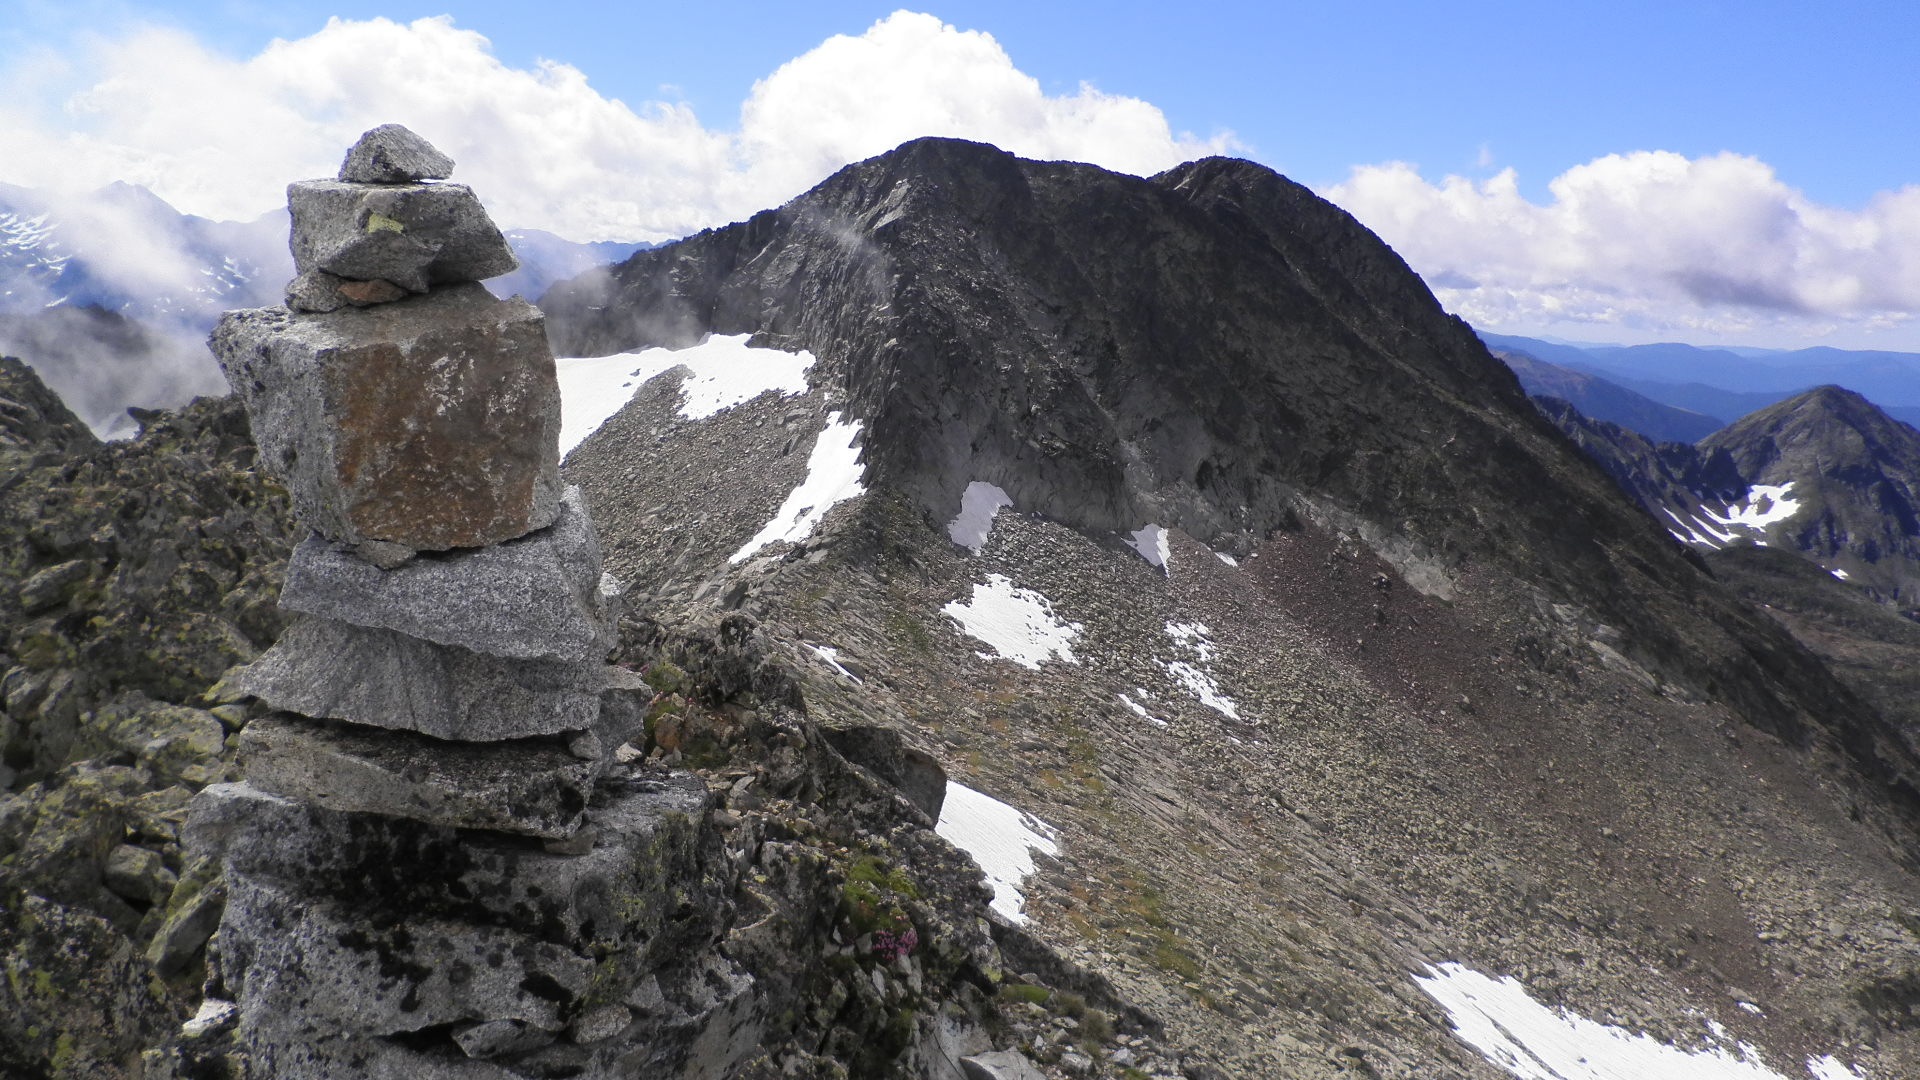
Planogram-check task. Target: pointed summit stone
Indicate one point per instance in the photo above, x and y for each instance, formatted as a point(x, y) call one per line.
point(392, 154)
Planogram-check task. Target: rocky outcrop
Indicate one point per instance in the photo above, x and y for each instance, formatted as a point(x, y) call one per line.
point(132, 574)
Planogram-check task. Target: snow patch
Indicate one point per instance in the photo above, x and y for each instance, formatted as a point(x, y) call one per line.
point(1529, 1040)
point(1764, 505)
point(1141, 711)
point(978, 504)
point(1226, 558)
point(1000, 838)
point(1151, 542)
point(1828, 1067)
point(722, 373)
point(833, 476)
point(832, 656)
point(1018, 624)
point(1841, 574)
point(1194, 638)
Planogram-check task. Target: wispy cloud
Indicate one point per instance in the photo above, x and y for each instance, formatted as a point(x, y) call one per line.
point(221, 136)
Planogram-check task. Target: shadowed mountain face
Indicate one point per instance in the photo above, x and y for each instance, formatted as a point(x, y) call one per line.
point(1402, 676)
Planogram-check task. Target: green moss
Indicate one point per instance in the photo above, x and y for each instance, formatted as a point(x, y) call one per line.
point(1025, 994)
point(1170, 955)
point(44, 650)
point(63, 1051)
point(874, 871)
point(1095, 1027)
point(665, 677)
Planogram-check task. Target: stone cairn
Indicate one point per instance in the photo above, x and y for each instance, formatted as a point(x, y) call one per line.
point(438, 865)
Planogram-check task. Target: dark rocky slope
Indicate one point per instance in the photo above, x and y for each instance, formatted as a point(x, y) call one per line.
point(1215, 349)
point(1871, 645)
point(1484, 708)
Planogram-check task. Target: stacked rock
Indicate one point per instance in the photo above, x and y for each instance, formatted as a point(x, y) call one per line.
point(435, 862)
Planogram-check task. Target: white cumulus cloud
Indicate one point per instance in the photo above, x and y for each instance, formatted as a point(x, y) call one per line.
point(220, 136)
point(1715, 245)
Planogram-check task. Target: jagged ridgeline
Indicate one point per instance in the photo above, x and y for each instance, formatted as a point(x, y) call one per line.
point(1177, 513)
point(1214, 349)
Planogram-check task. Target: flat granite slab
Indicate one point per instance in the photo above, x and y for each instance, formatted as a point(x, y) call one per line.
point(387, 679)
point(537, 597)
point(532, 787)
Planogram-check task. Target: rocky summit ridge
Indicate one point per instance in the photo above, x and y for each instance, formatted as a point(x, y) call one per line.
point(1186, 521)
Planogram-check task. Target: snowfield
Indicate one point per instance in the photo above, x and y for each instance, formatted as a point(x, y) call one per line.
point(1762, 506)
point(1000, 838)
point(723, 373)
point(1533, 1042)
point(1017, 624)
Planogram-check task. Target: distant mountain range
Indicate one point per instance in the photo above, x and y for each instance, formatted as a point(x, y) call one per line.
point(110, 295)
point(1606, 400)
point(1725, 384)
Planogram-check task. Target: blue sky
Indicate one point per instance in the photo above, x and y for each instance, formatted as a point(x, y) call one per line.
point(1790, 129)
